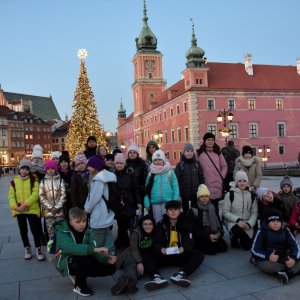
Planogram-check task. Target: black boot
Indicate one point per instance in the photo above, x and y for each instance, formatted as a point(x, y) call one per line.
point(235, 243)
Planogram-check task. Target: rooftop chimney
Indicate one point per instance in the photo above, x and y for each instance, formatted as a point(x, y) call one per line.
point(298, 65)
point(248, 64)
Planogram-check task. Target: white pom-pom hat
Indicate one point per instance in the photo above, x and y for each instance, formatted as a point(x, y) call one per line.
point(37, 151)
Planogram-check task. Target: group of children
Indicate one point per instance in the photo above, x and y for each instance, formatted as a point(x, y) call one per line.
point(182, 223)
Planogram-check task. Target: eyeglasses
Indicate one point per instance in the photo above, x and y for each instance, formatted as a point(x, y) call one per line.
point(147, 224)
point(267, 195)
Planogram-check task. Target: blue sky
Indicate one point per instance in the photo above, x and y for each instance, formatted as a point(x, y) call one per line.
point(40, 41)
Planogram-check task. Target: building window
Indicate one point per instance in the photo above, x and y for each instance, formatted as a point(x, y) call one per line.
point(48, 146)
point(254, 150)
point(155, 118)
point(171, 112)
point(22, 144)
point(27, 146)
point(31, 136)
point(166, 137)
point(159, 116)
point(251, 104)
point(281, 149)
point(17, 144)
point(172, 136)
point(45, 146)
point(53, 140)
point(21, 134)
point(44, 129)
point(48, 129)
point(184, 107)
point(281, 129)
point(48, 137)
point(278, 104)
point(30, 121)
point(30, 129)
point(174, 154)
point(62, 140)
point(150, 75)
point(147, 120)
point(231, 104)
point(17, 134)
point(180, 154)
point(210, 104)
point(186, 129)
point(233, 133)
point(38, 136)
point(148, 132)
point(179, 135)
point(165, 115)
point(152, 95)
point(151, 121)
point(25, 120)
point(31, 146)
point(26, 128)
point(26, 136)
point(145, 133)
point(177, 107)
point(13, 144)
point(56, 141)
point(253, 130)
point(196, 81)
point(12, 133)
point(213, 129)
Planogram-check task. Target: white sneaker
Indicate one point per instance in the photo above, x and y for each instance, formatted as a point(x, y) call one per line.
point(158, 282)
point(28, 252)
point(39, 254)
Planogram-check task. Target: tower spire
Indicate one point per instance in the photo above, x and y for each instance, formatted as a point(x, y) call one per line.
point(121, 111)
point(145, 18)
point(193, 40)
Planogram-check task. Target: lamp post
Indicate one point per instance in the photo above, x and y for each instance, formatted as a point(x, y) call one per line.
point(225, 131)
point(158, 134)
point(264, 157)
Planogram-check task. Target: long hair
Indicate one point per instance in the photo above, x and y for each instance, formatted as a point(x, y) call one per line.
point(31, 176)
point(92, 177)
point(216, 149)
point(150, 185)
point(98, 149)
point(149, 155)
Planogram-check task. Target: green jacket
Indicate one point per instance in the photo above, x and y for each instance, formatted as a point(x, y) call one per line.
point(66, 244)
point(23, 193)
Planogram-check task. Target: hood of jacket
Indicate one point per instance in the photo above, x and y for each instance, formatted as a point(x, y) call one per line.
point(147, 217)
point(61, 224)
point(105, 176)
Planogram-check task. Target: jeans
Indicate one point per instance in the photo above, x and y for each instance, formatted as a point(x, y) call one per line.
point(129, 266)
point(210, 248)
point(104, 238)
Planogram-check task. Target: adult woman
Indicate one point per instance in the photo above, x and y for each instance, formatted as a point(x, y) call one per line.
point(101, 150)
point(90, 147)
point(130, 198)
point(150, 149)
point(251, 165)
point(214, 168)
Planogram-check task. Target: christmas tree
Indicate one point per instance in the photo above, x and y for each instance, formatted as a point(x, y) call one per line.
point(84, 121)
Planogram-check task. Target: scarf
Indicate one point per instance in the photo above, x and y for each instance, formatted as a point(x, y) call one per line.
point(39, 167)
point(160, 169)
point(246, 162)
point(189, 160)
point(65, 171)
point(211, 223)
point(85, 175)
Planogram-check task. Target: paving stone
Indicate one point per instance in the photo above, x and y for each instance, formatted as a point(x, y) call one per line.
point(245, 297)
point(4, 239)
point(175, 295)
point(14, 238)
point(9, 291)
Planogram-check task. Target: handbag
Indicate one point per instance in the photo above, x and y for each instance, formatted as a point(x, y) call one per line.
point(223, 185)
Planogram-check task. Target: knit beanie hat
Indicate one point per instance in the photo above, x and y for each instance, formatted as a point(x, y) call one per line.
point(51, 164)
point(80, 158)
point(286, 180)
point(55, 154)
point(109, 157)
point(120, 158)
point(208, 135)
point(66, 153)
point(202, 190)
point(97, 162)
point(247, 149)
point(134, 148)
point(65, 158)
point(92, 138)
point(151, 143)
point(25, 162)
point(240, 175)
point(273, 214)
point(37, 152)
point(260, 192)
point(188, 147)
point(159, 154)
point(117, 150)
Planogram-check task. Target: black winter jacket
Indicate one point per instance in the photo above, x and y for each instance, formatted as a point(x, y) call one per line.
point(130, 190)
point(67, 177)
point(89, 152)
point(79, 190)
point(162, 234)
point(40, 176)
point(140, 171)
point(263, 208)
point(190, 179)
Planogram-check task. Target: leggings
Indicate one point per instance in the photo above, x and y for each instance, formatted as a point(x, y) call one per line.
point(49, 221)
point(35, 227)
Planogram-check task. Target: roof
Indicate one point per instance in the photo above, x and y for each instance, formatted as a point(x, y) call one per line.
point(63, 129)
point(128, 120)
point(42, 107)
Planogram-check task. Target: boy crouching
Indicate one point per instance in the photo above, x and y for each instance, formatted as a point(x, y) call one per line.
point(79, 256)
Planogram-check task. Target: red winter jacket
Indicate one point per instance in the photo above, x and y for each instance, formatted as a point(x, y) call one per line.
point(295, 217)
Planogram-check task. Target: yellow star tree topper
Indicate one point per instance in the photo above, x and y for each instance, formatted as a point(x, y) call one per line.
point(84, 122)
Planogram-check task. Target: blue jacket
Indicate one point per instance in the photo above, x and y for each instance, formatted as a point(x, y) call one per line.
point(276, 240)
point(100, 217)
point(162, 191)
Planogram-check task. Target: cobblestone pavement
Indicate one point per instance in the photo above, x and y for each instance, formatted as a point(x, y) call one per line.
point(224, 276)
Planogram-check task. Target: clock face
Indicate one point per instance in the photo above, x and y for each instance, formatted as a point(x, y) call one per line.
point(150, 65)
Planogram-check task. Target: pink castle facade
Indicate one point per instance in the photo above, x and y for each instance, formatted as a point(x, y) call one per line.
point(264, 99)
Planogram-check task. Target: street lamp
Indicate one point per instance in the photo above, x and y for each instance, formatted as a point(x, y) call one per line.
point(225, 131)
point(158, 134)
point(264, 157)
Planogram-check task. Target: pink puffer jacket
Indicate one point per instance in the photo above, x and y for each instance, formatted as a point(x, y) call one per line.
point(212, 177)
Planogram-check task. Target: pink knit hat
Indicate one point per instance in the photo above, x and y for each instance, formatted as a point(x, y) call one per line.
point(120, 158)
point(51, 164)
point(25, 162)
point(134, 148)
point(80, 158)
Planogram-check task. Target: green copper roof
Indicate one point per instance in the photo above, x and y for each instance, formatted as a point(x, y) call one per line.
point(147, 41)
point(195, 54)
point(122, 109)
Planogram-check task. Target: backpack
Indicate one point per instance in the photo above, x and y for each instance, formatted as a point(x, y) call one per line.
point(51, 249)
point(195, 211)
point(181, 165)
point(114, 201)
point(170, 176)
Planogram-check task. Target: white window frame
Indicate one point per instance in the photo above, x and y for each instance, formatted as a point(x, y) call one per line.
point(186, 139)
point(214, 101)
point(165, 115)
point(279, 99)
point(166, 133)
point(174, 156)
point(281, 145)
point(256, 149)
point(251, 99)
point(184, 106)
point(159, 117)
point(172, 141)
point(231, 99)
point(237, 130)
point(216, 127)
point(177, 109)
point(284, 131)
point(253, 123)
point(179, 128)
point(152, 96)
point(171, 112)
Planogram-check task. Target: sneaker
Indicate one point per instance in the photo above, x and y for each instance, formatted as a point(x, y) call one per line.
point(180, 279)
point(28, 252)
point(132, 284)
point(235, 243)
point(283, 277)
point(120, 286)
point(83, 290)
point(158, 282)
point(39, 254)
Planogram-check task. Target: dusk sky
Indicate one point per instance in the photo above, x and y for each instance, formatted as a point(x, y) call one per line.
point(40, 41)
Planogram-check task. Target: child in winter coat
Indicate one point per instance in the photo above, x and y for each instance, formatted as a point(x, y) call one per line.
point(161, 185)
point(172, 231)
point(109, 163)
point(131, 199)
point(295, 221)
point(79, 189)
point(150, 149)
point(38, 166)
point(269, 200)
point(23, 199)
point(286, 195)
point(274, 248)
point(141, 243)
point(240, 212)
point(79, 256)
point(251, 165)
point(52, 194)
point(101, 216)
point(190, 175)
point(207, 229)
point(55, 156)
